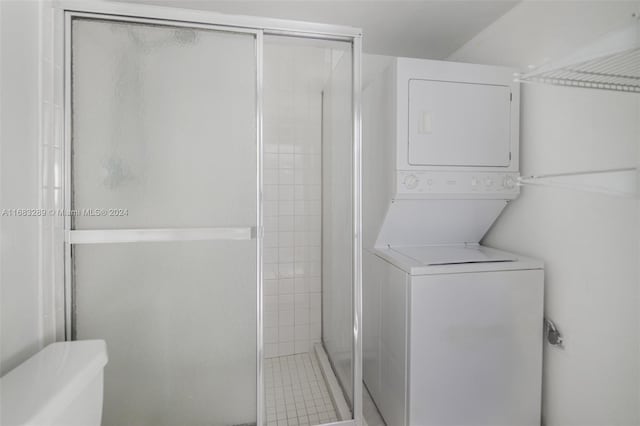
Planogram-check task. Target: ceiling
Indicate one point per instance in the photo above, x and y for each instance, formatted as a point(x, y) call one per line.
point(419, 28)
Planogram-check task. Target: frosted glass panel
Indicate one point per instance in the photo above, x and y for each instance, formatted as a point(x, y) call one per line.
point(163, 125)
point(179, 319)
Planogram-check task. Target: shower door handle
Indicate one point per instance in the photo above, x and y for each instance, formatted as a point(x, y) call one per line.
point(106, 236)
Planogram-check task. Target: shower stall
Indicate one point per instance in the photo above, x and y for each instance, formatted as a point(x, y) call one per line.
point(207, 168)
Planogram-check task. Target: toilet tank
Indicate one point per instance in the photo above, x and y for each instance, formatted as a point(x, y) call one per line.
point(61, 385)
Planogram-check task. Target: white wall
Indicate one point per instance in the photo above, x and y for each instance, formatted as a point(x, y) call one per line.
point(20, 329)
point(589, 242)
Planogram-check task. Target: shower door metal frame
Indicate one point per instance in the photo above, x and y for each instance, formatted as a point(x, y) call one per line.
point(63, 11)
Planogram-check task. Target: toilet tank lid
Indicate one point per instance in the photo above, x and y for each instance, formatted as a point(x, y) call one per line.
point(50, 380)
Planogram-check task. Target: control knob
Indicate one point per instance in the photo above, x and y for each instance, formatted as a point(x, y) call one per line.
point(509, 182)
point(411, 181)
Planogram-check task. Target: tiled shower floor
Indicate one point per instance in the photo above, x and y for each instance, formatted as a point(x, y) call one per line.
point(296, 393)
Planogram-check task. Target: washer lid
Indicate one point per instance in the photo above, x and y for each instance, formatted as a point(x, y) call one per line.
point(454, 255)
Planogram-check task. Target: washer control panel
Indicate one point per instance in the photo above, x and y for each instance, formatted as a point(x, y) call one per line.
point(415, 183)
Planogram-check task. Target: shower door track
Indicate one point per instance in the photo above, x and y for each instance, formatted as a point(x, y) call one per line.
point(62, 11)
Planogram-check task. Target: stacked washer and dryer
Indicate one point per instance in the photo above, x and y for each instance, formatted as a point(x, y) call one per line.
point(453, 330)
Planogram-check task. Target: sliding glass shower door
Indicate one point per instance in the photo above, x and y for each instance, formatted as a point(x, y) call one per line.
point(162, 163)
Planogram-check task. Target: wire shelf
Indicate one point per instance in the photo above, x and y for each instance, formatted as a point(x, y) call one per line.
point(619, 72)
point(611, 63)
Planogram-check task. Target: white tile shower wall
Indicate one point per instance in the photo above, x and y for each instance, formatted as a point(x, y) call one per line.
point(292, 198)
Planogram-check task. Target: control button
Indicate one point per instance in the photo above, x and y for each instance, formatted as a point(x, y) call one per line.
point(411, 181)
point(488, 182)
point(429, 182)
point(474, 181)
point(509, 182)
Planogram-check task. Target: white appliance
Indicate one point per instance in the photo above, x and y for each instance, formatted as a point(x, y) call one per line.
point(62, 385)
point(452, 329)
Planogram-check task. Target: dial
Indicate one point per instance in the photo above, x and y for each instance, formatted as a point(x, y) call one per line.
point(411, 181)
point(509, 182)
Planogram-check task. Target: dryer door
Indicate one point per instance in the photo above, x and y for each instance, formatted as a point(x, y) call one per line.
point(459, 124)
